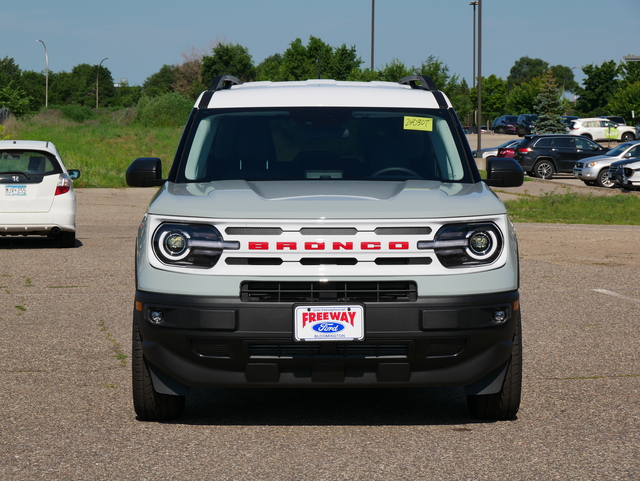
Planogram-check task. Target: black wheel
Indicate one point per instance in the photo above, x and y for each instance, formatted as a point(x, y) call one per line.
point(149, 404)
point(543, 169)
point(628, 137)
point(603, 179)
point(67, 239)
point(503, 405)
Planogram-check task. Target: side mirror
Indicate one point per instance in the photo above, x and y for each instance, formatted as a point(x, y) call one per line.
point(145, 172)
point(504, 172)
point(73, 174)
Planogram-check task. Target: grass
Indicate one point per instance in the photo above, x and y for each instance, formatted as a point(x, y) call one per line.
point(572, 208)
point(103, 147)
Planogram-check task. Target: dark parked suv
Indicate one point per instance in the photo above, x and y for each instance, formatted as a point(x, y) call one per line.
point(544, 155)
point(524, 124)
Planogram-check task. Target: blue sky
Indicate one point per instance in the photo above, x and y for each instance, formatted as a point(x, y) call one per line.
point(139, 36)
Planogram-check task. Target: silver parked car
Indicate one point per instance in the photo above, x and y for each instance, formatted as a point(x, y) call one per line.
point(595, 170)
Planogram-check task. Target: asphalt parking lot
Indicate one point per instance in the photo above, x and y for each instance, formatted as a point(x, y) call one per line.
point(65, 397)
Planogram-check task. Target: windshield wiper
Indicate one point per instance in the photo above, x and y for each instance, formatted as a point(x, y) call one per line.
point(10, 172)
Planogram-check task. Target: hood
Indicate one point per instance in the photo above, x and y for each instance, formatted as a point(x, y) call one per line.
point(237, 199)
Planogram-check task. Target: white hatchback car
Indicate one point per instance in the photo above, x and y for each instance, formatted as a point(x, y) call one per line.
point(36, 192)
point(601, 129)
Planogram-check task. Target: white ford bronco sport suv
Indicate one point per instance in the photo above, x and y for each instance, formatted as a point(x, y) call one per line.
point(325, 234)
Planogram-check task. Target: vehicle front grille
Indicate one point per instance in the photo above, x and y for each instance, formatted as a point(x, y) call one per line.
point(388, 291)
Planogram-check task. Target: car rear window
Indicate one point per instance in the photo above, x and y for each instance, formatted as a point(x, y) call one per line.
point(323, 143)
point(28, 162)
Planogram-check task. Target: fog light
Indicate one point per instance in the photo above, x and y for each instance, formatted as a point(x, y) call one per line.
point(500, 315)
point(156, 316)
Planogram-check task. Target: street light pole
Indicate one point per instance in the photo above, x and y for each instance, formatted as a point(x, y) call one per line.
point(373, 17)
point(46, 74)
point(479, 146)
point(473, 79)
point(97, 78)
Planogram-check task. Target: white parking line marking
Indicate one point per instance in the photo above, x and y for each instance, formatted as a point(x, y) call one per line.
point(615, 294)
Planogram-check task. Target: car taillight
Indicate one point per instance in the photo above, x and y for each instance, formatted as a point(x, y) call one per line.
point(64, 184)
point(506, 152)
point(524, 150)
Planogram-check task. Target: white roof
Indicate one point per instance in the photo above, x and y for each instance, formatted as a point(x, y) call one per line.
point(323, 93)
point(29, 145)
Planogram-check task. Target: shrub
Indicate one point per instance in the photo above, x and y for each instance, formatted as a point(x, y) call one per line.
point(76, 113)
point(169, 110)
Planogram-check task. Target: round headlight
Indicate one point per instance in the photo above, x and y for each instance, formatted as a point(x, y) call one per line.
point(482, 243)
point(479, 242)
point(175, 243)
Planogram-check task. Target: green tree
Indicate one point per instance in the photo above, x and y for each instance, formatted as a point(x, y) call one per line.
point(395, 70)
point(15, 99)
point(625, 101)
point(564, 78)
point(630, 73)
point(269, 68)
point(161, 82)
point(524, 70)
point(228, 59)
point(549, 107)
point(600, 84)
point(522, 99)
point(79, 86)
point(34, 84)
point(493, 97)
point(317, 60)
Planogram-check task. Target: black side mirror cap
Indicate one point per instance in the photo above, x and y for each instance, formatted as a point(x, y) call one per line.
point(145, 172)
point(504, 172)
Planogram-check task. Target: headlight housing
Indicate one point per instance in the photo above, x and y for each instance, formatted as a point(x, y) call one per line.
point(189, 245)
point(464, 245)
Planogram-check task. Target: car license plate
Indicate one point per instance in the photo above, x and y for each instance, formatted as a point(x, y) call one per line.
point(15, 190)
point(329, 323)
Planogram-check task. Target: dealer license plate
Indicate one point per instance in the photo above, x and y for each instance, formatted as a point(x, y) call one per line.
point(329, 323)
point(15, 190)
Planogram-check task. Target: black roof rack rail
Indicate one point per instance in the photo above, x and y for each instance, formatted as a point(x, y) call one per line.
point(423, 82)
point(222, 82)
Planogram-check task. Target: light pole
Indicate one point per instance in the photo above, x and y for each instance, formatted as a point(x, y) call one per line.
point(46, 74)
point(373, 17)
point(479, 146)
point(97, 78)
point(473, 79)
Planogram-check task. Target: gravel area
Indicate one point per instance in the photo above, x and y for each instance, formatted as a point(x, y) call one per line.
point(65, 388)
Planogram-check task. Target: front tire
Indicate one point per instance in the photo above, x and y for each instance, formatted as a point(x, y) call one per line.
point(503, 405)
point(603, 179)
point(149, 404)
point(628, 137)
point(543, 169)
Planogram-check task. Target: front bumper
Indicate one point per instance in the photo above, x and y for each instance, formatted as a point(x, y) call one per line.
point(435, 341)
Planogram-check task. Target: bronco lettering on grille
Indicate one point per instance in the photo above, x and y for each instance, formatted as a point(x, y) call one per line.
point(322, 246)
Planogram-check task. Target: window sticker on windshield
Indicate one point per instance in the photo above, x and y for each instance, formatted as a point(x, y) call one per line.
point(418, 123)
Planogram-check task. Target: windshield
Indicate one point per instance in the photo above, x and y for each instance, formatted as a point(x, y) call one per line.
point(322, 143)
point(620, 149)
point(28, 162)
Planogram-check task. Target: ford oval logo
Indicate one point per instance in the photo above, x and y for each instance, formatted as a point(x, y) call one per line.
point(328, 327)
